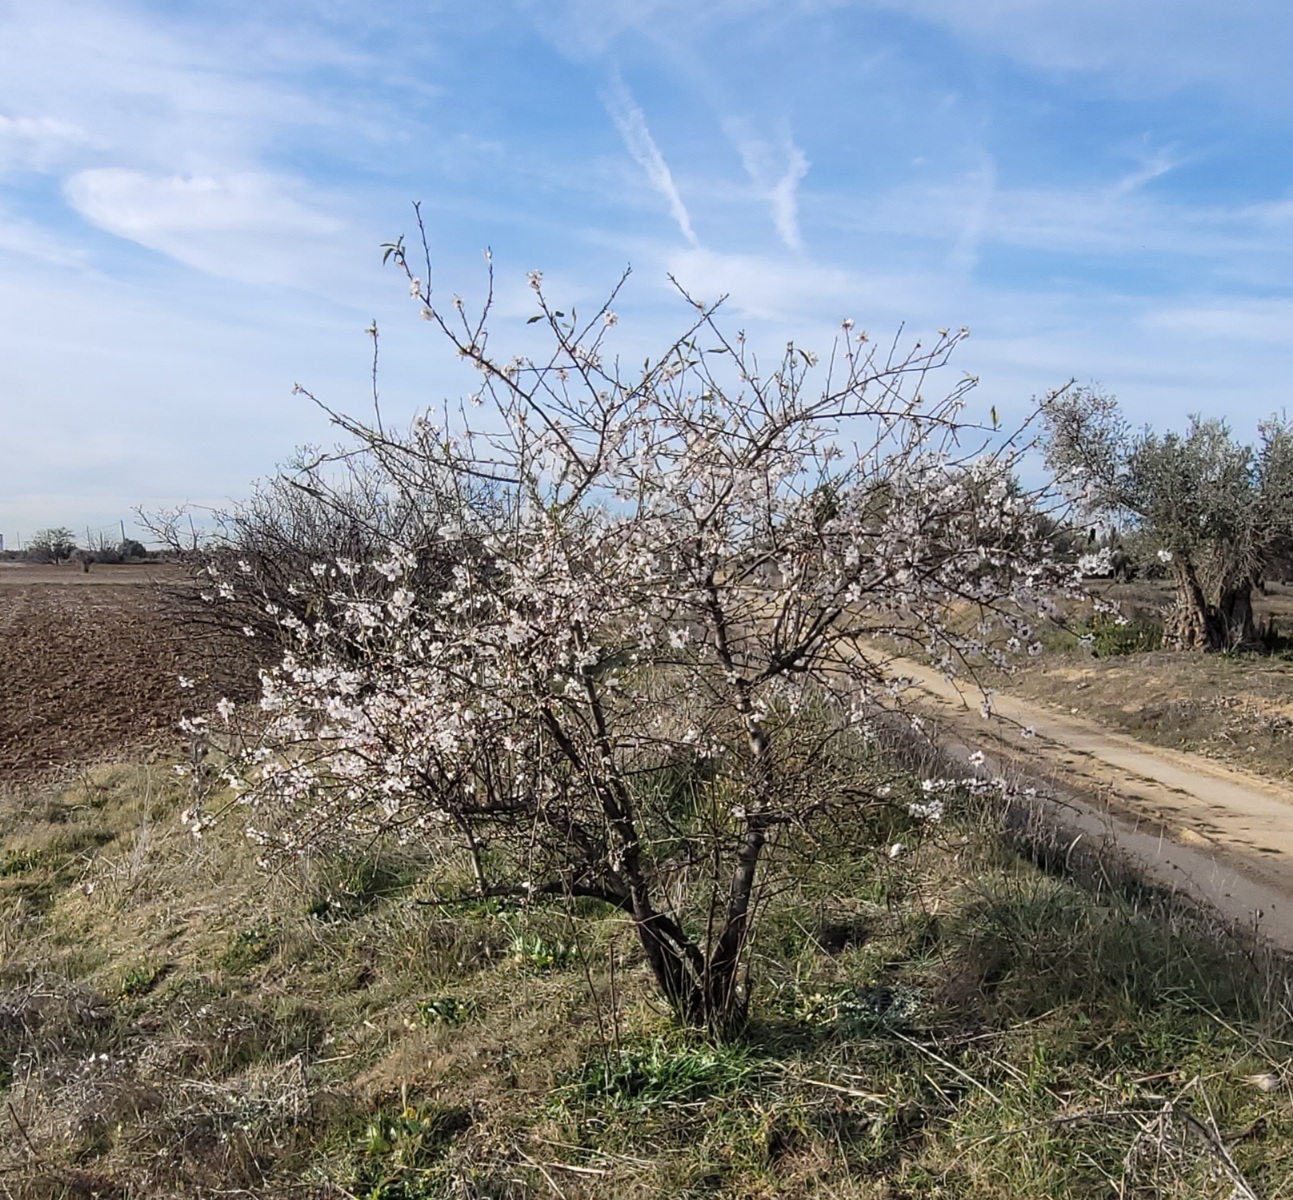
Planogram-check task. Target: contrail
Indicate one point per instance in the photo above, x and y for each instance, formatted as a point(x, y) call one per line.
point(631, 122)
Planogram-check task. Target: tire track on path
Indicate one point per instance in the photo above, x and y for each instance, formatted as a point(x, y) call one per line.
point(1219, 834)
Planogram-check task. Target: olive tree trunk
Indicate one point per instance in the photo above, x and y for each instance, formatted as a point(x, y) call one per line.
point(1197, 624)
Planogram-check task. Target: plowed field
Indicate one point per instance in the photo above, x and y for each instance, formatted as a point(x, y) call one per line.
point(89, 665)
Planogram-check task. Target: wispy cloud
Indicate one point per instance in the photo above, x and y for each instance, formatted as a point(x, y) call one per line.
point(28, 240)
point(786, 292)
point(980, 189)
point(1153, 166)
point(1117, 221)
point(590, 29)
point(776, 171)
point(243, 226)
point(1234, 322)
point(630, 120)
point(1152, 46)
point(35, 143)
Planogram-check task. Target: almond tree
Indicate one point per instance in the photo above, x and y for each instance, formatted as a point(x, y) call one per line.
point(654, 574)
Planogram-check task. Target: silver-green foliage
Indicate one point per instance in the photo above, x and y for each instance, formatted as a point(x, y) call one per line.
point(1218, 512)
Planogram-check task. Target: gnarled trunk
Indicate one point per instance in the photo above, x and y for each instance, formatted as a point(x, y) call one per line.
point(1195, 624)
point(1189, 626)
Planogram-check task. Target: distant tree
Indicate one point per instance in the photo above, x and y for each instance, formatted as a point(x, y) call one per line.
point(51, 545)
point(131, 549)
point(1215, 512)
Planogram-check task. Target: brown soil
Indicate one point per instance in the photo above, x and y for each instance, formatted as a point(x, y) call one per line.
point(89, 665)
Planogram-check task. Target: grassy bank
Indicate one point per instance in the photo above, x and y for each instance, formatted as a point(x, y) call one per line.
point(933, 1016)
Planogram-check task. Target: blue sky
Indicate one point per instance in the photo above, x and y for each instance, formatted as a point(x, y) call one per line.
point(192, 197)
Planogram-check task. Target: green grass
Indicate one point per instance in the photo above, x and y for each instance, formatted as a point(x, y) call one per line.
point(951, 1021)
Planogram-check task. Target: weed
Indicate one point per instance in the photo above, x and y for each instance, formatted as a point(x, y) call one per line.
point(140, 979)
point(400, 1150)
point(1111, 638)
point(638, 1078)
point(18, 862)
point(248, 949)
point(445, 1010)
point(858, 1010)
point(536, 954)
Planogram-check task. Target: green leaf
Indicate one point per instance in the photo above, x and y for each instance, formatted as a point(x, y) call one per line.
point(532, 320)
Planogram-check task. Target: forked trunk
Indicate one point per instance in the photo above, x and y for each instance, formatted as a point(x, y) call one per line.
point(1197, 625)
point(706, 991)
point(704, 987)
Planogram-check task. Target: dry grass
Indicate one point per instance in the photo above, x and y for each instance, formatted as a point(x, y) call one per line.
point(949, 1021)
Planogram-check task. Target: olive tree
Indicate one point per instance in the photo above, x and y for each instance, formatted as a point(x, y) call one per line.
point(654, 573)
point(1215, 511)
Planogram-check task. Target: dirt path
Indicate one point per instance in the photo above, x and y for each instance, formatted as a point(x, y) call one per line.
point(1218, 833)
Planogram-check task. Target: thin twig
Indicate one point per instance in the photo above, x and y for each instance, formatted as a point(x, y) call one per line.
point(983, 1087)
point(838, 1087)
point(21, 1129)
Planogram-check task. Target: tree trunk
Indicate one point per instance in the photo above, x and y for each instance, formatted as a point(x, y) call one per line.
point(1189, 626)
point(725, 1001)
point(1197, 625)
point(673, 968)
point(1236, 627)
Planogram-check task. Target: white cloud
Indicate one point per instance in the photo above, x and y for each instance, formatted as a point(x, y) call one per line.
point(34, 242)
point(1153, 166)
point(1120, 221)
point(166, 91)
point(1267, 322)
point(797, 293)
point(979, 195)
point(245, 225)
point(591, 28)
point(36, 143)
point(630, 120)
point(776, 172)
